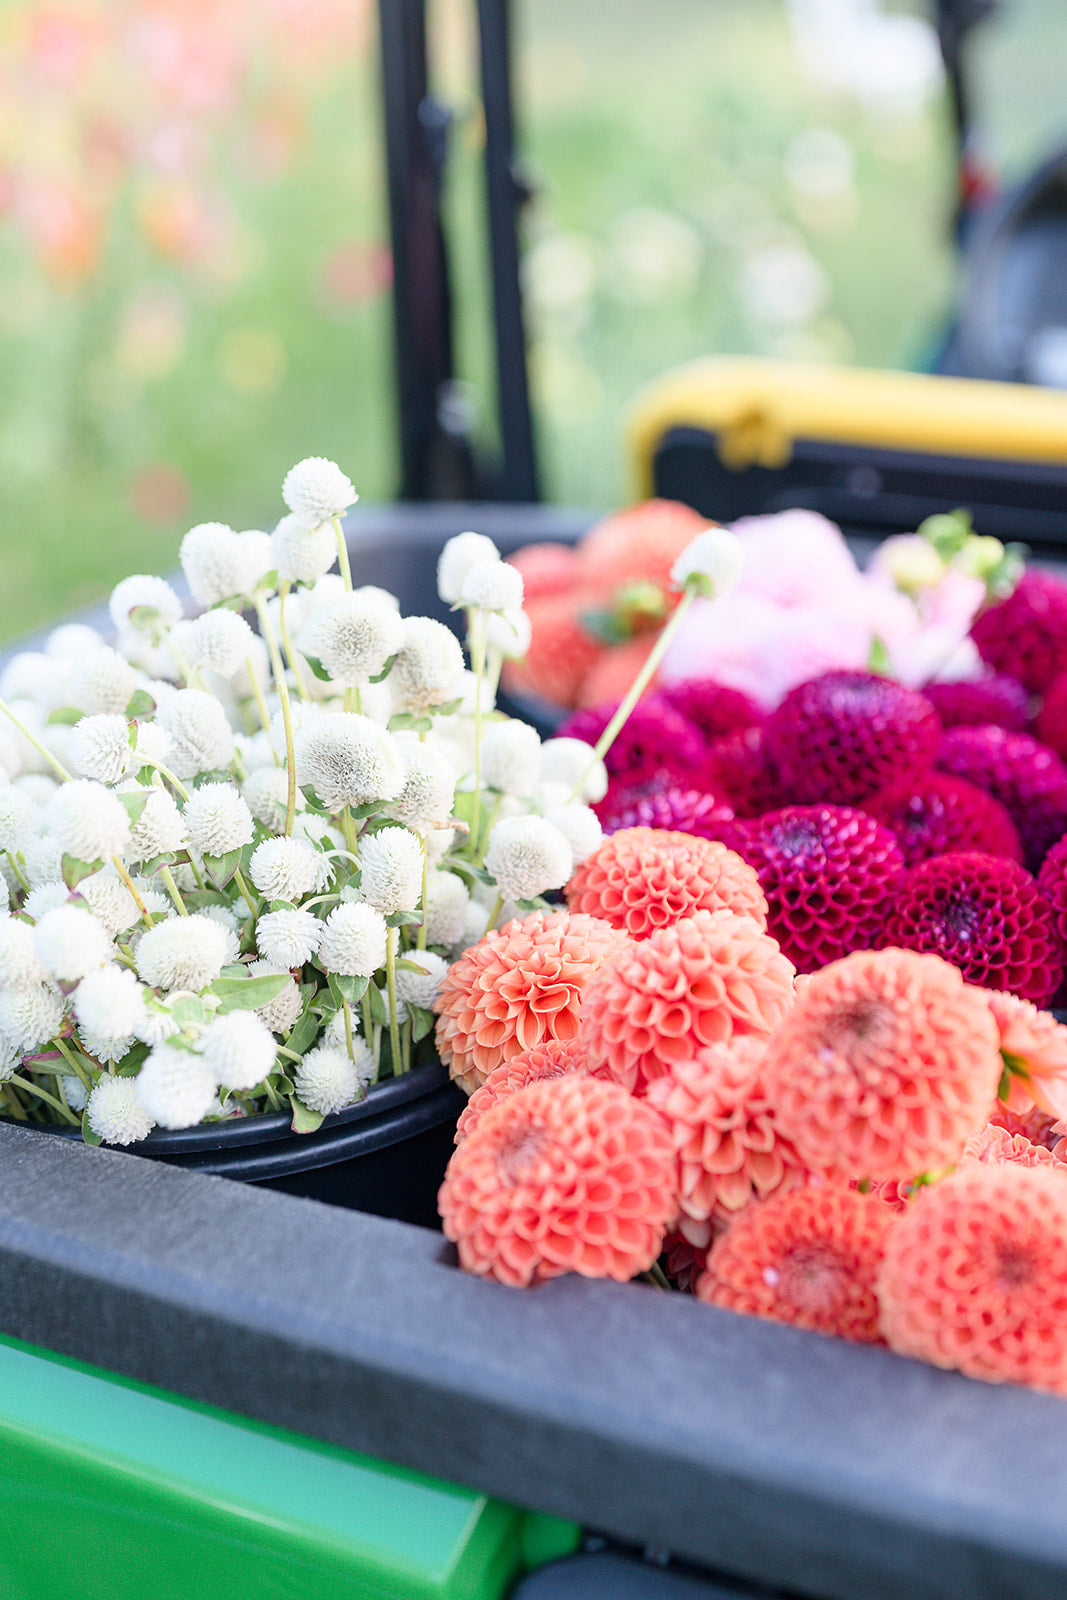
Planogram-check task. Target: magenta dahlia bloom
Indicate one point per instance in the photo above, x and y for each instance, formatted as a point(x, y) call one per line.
point(1002, 701)
point(844, 735)
point(829, 875)
point(1050, 724)
point(662, 803)
point(986, 915)
point(936, 812)
point(1028, 779)
point(654, 738)
point(1052, 881)
point(736, 769)
point(715, 708)
point(588, 723)
point(1025, 636)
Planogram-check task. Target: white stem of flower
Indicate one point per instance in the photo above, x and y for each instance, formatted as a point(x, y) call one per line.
point(342, 554)
point(390, 982)
point(278, 669)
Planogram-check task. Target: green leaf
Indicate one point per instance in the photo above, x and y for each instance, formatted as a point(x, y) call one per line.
point(401, 720)
point(247, 994)
point(403, 919)
point(410, 964)
point(232, 602)
point(379, 1005)
point(74, 870)
point(303, 1033)
point(421, 1022)
point(220, 869)
point(380, 677)
point(146, 868)
point(188, 1011)
point(447, 708)
point(318, 669)
point(532, 905)
point(67, 715)
point(140, 704)
point(369, 810)
point(304, 1119)
point(135, 804)
point(132, 1061)
point(88, 1134)
point(143, 617)
point(350, 988)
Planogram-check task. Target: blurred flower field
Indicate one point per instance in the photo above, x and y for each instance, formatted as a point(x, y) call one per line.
point(194, 266)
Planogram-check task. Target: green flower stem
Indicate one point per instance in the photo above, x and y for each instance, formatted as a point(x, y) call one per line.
point(187, 672)
point(197, 874)
point(250, 900)
point(476, 630)
point(272, 1095)
point(173, 890)
point(172, 779)
point(12, 1103)
point(342, 554)
point(420, 942)
point(390, 980)
point(353, 699)
point(282, 687)
point(638, 687)
point(495, 911)
point(146, 915)
point(655, 1276)
point(405, 1045)
point(12, 862)
point(57, 766)
point(350, 834)
point(72, 1061)
point(349, 1041)
point(294, 660)
point(42, 1094)
point(257, 695)
point(369, 1033)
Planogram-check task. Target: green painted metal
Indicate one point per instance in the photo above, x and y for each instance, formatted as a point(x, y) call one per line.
point(109, 1489)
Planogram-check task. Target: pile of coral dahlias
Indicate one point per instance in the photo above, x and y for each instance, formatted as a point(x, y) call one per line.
point(243, 836)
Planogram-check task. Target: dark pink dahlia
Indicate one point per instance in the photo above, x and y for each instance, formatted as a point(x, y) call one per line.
point(654, 738)
point(1050, 724)
point(1025, 636)
point(996, 699)
point(829, 874)
point(936, 812)
point(662, 803)
point(1052, 880)
point(842, 736)
point(714, 707)
point(984, 914)
point(588, 723)
point(736, 768)
point(1028, 779)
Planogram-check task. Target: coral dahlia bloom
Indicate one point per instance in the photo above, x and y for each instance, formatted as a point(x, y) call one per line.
point(975, 1275)
point(552, 1059)
point(886, 1065)
point(1034, 1048)
point(659, 1001)
point(807, 1257)
point(723, 1127)
point(642, 879)
point(518, 986)
point(570, 1175)
point(995, 1145)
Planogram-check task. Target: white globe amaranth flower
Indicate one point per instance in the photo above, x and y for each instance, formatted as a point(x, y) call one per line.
point(115, 1112)
point(182, 953)
point(109, 1002)
point(240, 1050)
point(573, 762)
point(257, 555)
point(100, 748)
point(18, 818)
point(19, 962)
point(23, 674)
point(580, 826)
point(420, 988)
point(228, 922)
point(42, 860)
point(353, 941)
point(286, 869)
point(217, 820)
point(317, 490)
point(255, 750)
point(45, 898)
point(10, 1059)
point(301, 714)
point(203, 738)
point(30, 1015)
point(302, 554)
point(711, 563)
point(462, 552)
point(216, 564)
point(70, 942)
point(266, 793)
point(428, 668)
point(280, 1013)
point(352, 638)
point(74, 1091)
point(446, 908)
point(154, 744)
point(158, 831)
point(528, 856)
point(144, 594)
point(475, 925)
point(221, 640)
point(288, 938)
point(37, 787)
point(371, 595)
point(334, 1034)
point(72, 639)
point(492, 586)
point(102, 680)
point(509, 633)
point(109, 900)
point(328, 1080)
point(175, 1087)
point(391, 870)
point(429, 790)
point(348, 760)
point(156, 1025)
point(87, 821)
point(511, 757)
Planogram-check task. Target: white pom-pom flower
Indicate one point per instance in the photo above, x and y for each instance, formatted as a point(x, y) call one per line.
point(203, 738)
point(573, 762)
point(100, 748)
point(115, 1112)
point(74, 1091)
point(286, 869)
point(143, 601)
point(72, 639)
point(508, 633)
point(266, 793)
point(420, 988)
point(182, 953)
point(70, 942)
point(327, 1079)
point(217, 820)
point(580, 826)
point(221, 640)
point(30, 1015)
point(280, 1013)
point(352, 638)
point(429, 789)
point(257, 554)
point(215, 563)
point(710, 564)
point(511, 757)
point(109, 900)
point(428, 668)
point(353, 941)
point(109, 1002)
point(45, 898)
point(528, 856)
point(446, 908)
point(102, 680)
point(42, 860)
point(301, 553)
point(240, 1050)
point(87, 821)
point(348, 760)
point(18, 818)
point(460, 554)
point(287, 939)
point(175, 1087)
point(19, 962)
point(391, 870)
point(159, 830)
point(492, 586)
point(317, 490)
